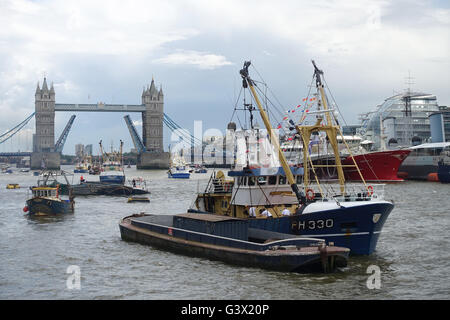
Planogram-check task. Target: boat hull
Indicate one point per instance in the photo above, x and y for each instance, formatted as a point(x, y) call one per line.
point(44, 207)
point(179, 175)
point(80, 171)
point(230, 250)
point(97, 188)
point(355, 224)
point(444, 172)
point(118, 179)
point(376, 166)
point(355, 227)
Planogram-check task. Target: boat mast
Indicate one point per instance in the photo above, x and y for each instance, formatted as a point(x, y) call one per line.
point(101, 151)
point(248, 82)
point(329, 128)
point(121, 153)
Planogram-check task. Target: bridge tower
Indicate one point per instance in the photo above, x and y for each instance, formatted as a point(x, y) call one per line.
point(152, 130)
point(152, 118)
point(44, 154)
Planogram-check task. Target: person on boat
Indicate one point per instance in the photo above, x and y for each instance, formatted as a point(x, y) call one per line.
point(266, 213)
point(134, 183)
point(286, 212)
point(252, 212)
point(81, 179)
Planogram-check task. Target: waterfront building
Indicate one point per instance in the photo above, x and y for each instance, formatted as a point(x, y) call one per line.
point(79, 150)
point(405, 118)
point(440, 125)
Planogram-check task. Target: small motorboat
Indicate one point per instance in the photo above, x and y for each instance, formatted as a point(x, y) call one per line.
point(178, 173)
point(138, 199)
point(227, 239)
point(12, 186)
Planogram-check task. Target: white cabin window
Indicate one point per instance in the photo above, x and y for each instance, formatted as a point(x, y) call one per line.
point(282, 180)
point(262, 180)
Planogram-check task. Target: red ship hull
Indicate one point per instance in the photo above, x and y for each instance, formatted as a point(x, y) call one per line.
point(376, 166)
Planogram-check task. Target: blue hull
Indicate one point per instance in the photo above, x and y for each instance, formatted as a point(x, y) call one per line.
point(444, 173)
point(43, 206)
point(112, 179)
point(80, 171)
point(353, 227)
point(179, 175)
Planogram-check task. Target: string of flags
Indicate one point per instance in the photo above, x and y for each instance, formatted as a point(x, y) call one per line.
point(305, 111)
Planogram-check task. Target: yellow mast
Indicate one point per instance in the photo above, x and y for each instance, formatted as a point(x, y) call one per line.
point(329, 128)
point(274, 140)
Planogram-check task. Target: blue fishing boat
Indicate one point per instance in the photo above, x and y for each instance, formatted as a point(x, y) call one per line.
point(46, 199)
point(226, 239)
point(178, 173)
point(112, 166)
point(291, 199)
point(178, 168)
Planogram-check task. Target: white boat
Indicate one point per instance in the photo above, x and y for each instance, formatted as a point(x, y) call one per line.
point(179, 168)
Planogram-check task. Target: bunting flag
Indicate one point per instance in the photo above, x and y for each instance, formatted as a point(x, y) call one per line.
point(304, 99)
point(285, 118)
point(279, 126)
point(299, 106)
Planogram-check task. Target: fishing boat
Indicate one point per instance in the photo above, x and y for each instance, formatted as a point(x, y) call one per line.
point(46, 198)
point(289, 199)
point(112, 166)
point(81, 167)
point(444, 166)
point(178, 168)
point(226, 239)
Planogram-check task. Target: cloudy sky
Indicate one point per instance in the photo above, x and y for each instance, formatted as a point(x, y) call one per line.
point(108, 50)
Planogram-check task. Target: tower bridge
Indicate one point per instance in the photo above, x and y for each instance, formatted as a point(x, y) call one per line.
point(151, 152)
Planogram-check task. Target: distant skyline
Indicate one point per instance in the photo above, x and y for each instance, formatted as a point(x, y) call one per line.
point(108, 51)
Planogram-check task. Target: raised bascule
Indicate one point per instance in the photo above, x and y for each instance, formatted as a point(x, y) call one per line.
point(150, 148)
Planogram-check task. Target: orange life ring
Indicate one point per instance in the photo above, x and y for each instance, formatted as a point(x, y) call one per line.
point(310, 194)
point(370, 190)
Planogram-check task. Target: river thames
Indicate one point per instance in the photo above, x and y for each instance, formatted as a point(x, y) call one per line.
point(413, 252)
